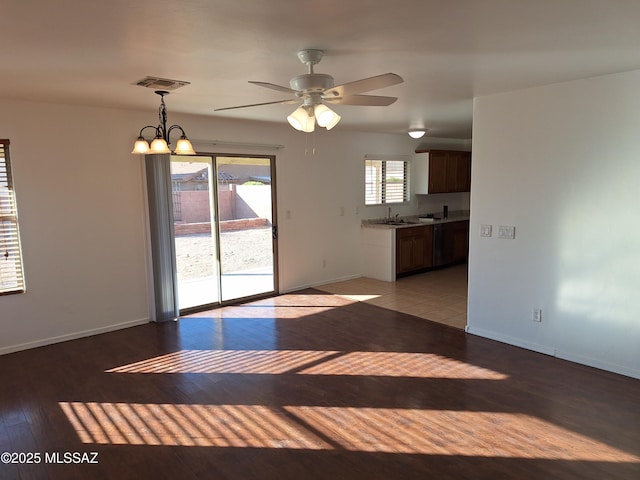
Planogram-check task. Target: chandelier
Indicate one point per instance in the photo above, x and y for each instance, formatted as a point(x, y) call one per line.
point(160, 143)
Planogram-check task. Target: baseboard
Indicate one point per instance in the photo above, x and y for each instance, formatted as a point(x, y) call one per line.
point(597, 363)
point(569, 356)
point(323, 282)
point(516, 342)
point(72, 336)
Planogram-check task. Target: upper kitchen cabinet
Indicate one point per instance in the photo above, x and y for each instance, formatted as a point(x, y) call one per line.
point(441, 171)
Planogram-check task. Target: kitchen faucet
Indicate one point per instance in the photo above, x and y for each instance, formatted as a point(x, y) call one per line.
point(392, 219)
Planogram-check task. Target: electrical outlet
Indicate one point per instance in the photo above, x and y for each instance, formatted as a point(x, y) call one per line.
point(537, 315)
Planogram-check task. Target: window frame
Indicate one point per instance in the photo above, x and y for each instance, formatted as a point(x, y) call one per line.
point(12, 273)
point(378, 187)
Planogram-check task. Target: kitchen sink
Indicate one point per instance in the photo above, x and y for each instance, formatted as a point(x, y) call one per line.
point(401, 222)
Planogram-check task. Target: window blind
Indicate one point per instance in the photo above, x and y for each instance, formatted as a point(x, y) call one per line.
point(395, 181)
point(385, 181)
point(11, 275)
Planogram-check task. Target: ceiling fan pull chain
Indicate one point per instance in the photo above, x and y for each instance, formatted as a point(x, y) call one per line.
point(311, 149)
point(306, 145)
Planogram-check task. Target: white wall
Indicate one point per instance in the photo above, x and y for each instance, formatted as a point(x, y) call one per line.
point(81, 215)
point(561, 163)
point(82, 211)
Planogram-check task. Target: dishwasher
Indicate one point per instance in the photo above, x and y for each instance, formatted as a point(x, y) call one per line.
point(442, 244)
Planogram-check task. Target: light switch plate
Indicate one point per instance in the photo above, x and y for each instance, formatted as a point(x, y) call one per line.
point(485, 230)
point(506, 232)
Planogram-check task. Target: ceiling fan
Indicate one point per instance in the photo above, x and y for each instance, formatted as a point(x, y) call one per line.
point(316, 90)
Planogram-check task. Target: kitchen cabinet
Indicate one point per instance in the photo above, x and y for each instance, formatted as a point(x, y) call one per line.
point(460, 241)
point(441, 171)
point(414, 248)
point(393, 251)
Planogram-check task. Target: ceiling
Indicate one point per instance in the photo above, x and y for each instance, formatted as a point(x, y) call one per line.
point(90, 52)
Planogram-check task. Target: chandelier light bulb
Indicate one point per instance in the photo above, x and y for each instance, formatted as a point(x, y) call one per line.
point(184, 147)
point(159, 145)
point(141, 147)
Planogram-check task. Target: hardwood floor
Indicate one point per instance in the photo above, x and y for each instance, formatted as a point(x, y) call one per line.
point(316, 386)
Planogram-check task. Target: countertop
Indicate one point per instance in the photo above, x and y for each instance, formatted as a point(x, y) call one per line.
point(412, 221)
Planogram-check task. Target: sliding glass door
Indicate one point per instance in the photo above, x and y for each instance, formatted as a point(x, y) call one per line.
point(224, 228)
point(245, 213)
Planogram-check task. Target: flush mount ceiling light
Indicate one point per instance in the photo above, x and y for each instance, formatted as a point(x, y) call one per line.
point(417, 133)
point(160, 143)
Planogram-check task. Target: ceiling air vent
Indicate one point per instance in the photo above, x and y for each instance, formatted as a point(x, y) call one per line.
point(160, 83)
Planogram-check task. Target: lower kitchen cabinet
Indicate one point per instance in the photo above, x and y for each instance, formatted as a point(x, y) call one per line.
point(389, 253)
point(460, 241)
point(424, 247)
point(414, 248)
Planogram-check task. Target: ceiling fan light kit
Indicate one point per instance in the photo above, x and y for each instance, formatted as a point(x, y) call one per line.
point(305, 117)
point(325, 117)
point(316, 90)
point(301, 119)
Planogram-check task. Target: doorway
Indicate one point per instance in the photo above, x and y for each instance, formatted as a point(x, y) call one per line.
point(225, 229)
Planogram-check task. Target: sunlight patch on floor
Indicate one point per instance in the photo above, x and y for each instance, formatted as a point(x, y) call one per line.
point(401, 364)
point(391, 430)
point(311, 362)
point(360, 297)
point(442, 432)
point(226, 361)
point(187, 425)
point(290, 306)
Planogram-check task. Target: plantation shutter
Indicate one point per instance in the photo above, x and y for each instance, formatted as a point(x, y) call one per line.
point(11, 276)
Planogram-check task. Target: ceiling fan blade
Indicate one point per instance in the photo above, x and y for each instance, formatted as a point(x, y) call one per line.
point(284, 102)
point(365, 100)
point(273, 86)
point(364, 85)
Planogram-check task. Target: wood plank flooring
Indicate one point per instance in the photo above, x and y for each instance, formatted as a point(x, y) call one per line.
point(316, 386)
